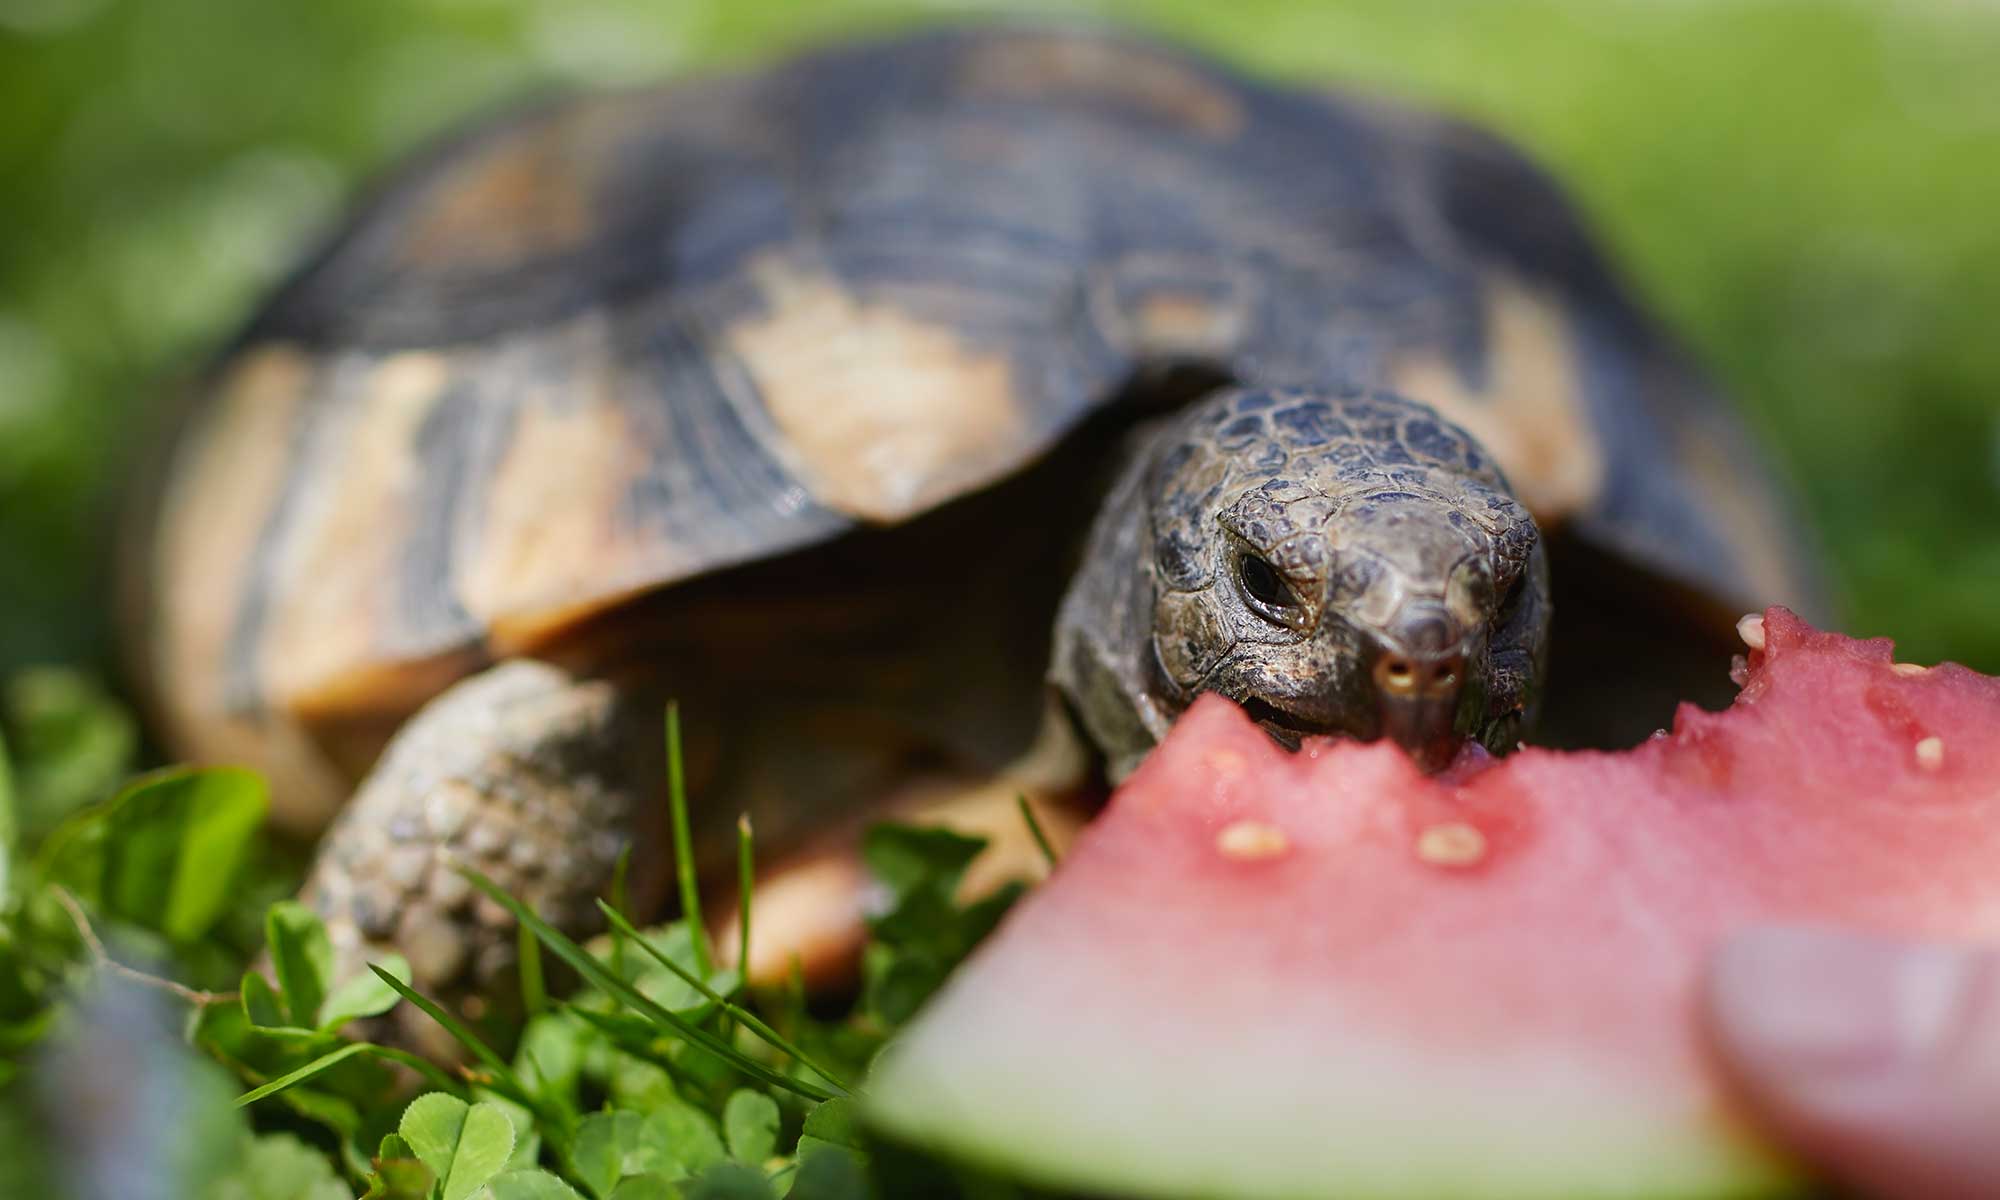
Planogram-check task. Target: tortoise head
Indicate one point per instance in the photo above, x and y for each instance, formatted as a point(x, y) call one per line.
point(1348, 565)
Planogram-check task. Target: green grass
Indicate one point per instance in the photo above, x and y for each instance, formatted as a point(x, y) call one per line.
point(658, 1075)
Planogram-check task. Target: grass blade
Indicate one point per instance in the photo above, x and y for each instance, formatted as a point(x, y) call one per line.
point(624, 993)
point(10, 828)
point(504, 1080)
point(636, 1036)
point(746, 882)
point(1035, 828)
point(422, 1066)
point(684, 842)
point(620, 872)
point(771, 1036)
point(534, 993)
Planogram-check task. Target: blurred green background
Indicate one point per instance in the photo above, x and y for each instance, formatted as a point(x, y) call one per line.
point(1810, 190)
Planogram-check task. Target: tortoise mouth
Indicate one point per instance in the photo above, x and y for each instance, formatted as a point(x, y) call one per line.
point(1432, 750)
point(1289, 727)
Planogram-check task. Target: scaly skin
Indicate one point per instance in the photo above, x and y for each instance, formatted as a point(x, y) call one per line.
point(1389, 537)
point(522, 772)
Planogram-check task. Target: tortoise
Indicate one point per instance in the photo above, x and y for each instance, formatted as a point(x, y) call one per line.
point(935, 418)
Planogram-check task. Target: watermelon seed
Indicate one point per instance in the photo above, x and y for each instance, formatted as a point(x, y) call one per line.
point(1452, 844)
point(1908, 668)
point(1248, 841)
point(1751, 629)
point(1930, 753)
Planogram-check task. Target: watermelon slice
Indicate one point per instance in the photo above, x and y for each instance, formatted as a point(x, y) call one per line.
point(1324, 974)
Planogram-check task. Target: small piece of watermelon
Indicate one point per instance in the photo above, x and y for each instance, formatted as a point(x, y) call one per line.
point(1324, 974)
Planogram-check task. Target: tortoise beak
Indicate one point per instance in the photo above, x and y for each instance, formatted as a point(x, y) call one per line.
point(1417, 697)
point(1425, 728)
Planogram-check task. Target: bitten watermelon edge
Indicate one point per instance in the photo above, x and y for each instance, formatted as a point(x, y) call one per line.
point(1261, 974)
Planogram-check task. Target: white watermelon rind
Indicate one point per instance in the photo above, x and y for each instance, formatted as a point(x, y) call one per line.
point(1223, 1119)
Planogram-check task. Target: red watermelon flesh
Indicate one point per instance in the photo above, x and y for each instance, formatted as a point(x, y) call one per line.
point(1324, 974)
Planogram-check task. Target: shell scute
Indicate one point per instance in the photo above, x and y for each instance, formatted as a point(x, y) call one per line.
point(597, 348)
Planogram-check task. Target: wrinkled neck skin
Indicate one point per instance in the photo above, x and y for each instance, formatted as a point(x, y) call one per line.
point(1337, 564)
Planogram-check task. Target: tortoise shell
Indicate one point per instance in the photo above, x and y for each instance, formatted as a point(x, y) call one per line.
point(589, 350)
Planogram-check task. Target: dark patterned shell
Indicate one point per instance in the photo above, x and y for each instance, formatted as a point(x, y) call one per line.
point(606, 345)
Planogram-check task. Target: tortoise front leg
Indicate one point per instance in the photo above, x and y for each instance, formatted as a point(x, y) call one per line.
point(525, 773)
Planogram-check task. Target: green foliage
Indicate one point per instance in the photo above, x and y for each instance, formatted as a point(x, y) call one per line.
point(924, 932)
point(307, 1003)
point(302, 958)
point(658, 1019)
point(527, 1183)
point(661, 1076)
point(463, 1145)
point(750, 1126)
point(364, 996)
point(10, 827)
point(281, 1167)
point(72, 743)
point(306, 1102)
point(730, 1181)
point(164, 852)
point(161, 862)
point(671, 1141)
point(607, 1149)
point(397, 1173)
point(684, 842)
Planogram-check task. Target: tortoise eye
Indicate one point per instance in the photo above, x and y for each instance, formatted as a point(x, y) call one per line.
point(1262, 584)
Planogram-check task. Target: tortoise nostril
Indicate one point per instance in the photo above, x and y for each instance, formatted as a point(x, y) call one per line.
point(1414, 675)
point(1396, 674)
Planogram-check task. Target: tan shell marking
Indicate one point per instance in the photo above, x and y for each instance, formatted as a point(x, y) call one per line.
point(882, 413)
point(1726, 485)
point(1251, 841)
point(227, 484)
point(1126, 76)
point(1164, 304)
point(549, 550)
point(1178, 319)
point(352, 506)
point(1531, 416)
point(523, 198)
point(1452, 844)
